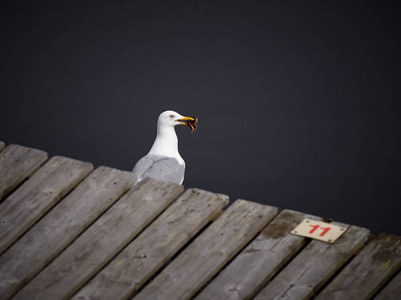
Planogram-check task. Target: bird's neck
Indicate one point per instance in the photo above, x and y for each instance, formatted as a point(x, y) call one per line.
point(166, 143)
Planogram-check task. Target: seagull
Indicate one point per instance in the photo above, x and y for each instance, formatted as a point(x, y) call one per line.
point(163, 161)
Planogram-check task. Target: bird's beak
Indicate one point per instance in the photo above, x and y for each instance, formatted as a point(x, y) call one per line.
point(182, 121)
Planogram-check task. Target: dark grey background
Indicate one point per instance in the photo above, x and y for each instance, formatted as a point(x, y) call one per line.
point(298, 102)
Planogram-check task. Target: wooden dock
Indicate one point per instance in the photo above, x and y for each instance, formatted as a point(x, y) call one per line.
point(71, 232)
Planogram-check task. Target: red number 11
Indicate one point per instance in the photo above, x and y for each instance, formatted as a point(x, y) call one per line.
point(314, 227)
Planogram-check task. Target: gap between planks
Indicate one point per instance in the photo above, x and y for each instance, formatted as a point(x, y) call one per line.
point(375, 265)
point(314, 266)
point(206, 255)
point(102, 241)
point(17, 163)
point(155, 246)
point(259, 261)
point(38, 195)
point(61, 226)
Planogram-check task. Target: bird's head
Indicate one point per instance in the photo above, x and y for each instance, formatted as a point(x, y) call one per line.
point(171, 118)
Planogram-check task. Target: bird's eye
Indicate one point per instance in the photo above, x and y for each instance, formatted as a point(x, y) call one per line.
point(171, 116)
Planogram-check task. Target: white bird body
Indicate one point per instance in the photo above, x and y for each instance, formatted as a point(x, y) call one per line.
point(166, 143)
point(163, 161)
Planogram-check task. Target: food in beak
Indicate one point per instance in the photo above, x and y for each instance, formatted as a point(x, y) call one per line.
point(188, 121)
point(192, 124)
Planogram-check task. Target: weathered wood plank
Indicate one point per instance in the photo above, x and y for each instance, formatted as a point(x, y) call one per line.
point(155, 246)
point(391, 291)
point(17, 163)
point(311, 268)
point(60, 227)
point(102, 241)
point(37, 195)
point(197, 264)
point(368, 271)
point(259, 261)
point(2, 145)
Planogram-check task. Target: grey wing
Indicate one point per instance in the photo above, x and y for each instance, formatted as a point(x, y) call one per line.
point(162, 168)
point(141, 166)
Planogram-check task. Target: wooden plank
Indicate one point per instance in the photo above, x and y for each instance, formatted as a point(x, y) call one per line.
point(17, 163)
point(374, 266)
point(37, 195)
point(202, 259)
point(259, 261)
point(60, 227)
point(102, 241)
point(313, 266)
point(2, 145)
point(391, 291)
point(155, 246)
